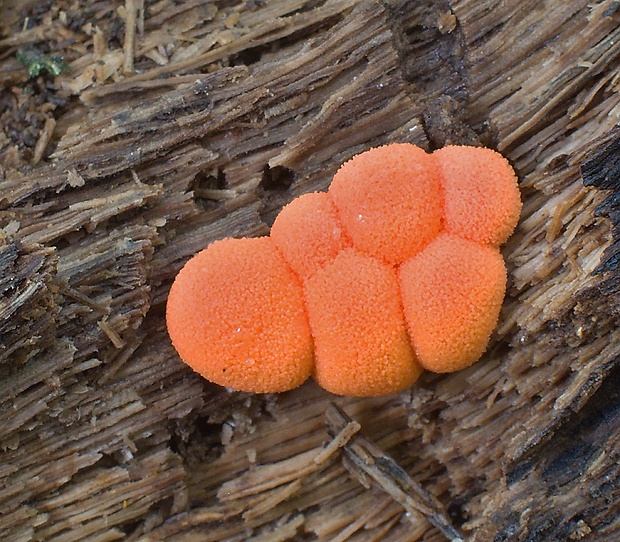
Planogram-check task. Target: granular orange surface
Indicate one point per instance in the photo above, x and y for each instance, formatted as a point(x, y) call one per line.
point(395, 268)
point(452, 293)
point(235, 314)
point(389, 201)
point(360, 338)
point(482, 199)
point(308, 233)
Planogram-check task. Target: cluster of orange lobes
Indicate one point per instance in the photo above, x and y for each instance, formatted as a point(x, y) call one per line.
point(394, 270)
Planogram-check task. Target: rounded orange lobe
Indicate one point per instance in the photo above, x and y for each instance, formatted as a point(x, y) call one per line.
point(452, 293)
point(360, 337)
point(236, 315)
point(482, 198)
point(389, 201)
point(308, 233)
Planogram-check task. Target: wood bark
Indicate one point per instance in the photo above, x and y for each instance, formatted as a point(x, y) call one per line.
point(186, 121)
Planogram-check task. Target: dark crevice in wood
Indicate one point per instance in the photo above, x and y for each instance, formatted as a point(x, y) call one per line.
point(601, 169)
point(430, 55)
point(430, 46)
point(571, 461)
point(277, 178)
point(275, 183)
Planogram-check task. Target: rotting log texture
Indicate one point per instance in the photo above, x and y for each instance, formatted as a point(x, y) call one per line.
point(185, 121)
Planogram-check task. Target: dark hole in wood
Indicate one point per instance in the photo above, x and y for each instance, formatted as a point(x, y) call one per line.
point(131, 527)
point(205, 183)
point(277, 179)
point(208, 430)
point(457, 513)
point(215, 181)
point(247, 57)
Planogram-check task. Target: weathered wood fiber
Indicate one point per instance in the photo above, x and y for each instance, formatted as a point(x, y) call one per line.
point(184, 122)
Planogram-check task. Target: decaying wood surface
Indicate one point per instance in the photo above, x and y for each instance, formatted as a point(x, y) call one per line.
point(181, 122)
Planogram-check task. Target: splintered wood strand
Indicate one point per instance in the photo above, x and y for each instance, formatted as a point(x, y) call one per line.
point(385, 472)
point(339, 440)
point(111, 333)
point(44, 139)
